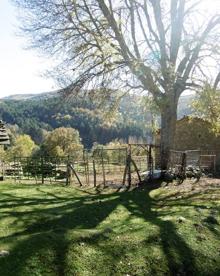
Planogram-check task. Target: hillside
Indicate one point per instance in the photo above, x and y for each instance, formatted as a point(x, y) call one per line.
point(35, 113)
point(23, 97)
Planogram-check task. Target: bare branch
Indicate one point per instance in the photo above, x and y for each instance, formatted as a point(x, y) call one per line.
point(217, 81)
point(177, 20)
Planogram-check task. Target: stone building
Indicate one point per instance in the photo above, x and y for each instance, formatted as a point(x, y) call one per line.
point(195, 133)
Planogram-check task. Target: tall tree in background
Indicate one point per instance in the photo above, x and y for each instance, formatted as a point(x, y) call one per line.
point(207, 104)
point(62, 142)
point(23, 146)
point(158, 46)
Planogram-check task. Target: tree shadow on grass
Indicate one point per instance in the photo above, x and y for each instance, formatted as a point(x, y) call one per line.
point(47, 237)
point(174, 247)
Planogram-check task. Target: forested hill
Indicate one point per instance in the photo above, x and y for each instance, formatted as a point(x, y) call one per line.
point(34, 114)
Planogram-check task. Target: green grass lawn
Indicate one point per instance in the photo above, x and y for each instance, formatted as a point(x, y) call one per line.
point(53, 230)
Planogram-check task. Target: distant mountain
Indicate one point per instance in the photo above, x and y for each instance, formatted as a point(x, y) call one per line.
point(23, 97)
point(36, 113)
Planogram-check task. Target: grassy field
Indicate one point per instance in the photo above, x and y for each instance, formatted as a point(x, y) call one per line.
point(53, 230)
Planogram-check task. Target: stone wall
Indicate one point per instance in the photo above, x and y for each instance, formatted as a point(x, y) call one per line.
point(195, 133)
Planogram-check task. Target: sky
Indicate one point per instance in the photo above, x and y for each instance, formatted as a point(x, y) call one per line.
point(21, 70)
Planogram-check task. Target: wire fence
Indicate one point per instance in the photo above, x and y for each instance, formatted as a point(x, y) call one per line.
point(103, 166)
point(181, 160)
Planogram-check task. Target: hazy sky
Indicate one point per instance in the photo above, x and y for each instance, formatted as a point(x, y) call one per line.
point(20, 69)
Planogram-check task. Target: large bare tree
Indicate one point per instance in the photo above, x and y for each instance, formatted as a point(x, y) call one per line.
point(159, 46)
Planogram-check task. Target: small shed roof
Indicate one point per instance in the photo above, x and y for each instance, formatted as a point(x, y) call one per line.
point(4, 138)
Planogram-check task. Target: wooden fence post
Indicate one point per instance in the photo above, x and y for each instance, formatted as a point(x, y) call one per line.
point(94, 172)
point(68, 174)
point(103, 169)
point(150, 161)
point(42, 170)
point(214, 164)
point(14, 174)
point(129, 166)
point(129, 170)
point(136, 169)
point(183, 165)
point(85, 167)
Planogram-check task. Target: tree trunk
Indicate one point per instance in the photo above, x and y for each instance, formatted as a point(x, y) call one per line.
point(168, 128)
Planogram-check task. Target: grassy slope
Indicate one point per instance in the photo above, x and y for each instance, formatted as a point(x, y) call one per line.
point(65, 231)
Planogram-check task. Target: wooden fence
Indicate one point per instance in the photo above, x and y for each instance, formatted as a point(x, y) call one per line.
point(181, 160)
point(104, 166)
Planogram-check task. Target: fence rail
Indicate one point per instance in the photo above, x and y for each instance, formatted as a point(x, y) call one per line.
point(103, 166)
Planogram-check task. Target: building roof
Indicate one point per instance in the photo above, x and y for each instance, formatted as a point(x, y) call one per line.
point(4, 138)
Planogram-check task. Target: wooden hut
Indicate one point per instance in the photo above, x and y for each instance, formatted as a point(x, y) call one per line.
point(4, 138)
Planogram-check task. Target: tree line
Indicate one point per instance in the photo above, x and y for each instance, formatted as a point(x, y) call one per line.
point(36, 117)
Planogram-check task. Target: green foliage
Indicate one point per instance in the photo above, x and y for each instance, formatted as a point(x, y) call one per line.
point(79, 113)
point(152, 110)
point(207, 106)
point(133, 118)
point(34, 167)
point(117, 151)
point(24, 147)
point(113, 152)
point(117, 143)
point(63, 141)
point(13, 132)
point(3, 153)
